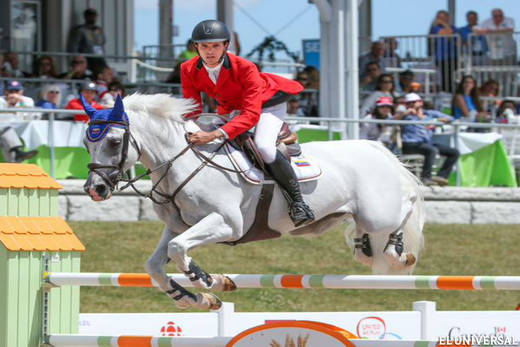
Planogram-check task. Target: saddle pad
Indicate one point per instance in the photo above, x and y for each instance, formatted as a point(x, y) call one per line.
point(305, 167)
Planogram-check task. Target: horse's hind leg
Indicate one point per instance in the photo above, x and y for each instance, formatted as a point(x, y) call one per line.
point(394, 251)
point(209, 230)
point(362, 247)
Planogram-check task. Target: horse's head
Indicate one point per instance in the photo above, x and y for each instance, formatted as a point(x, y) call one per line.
point(111, 146)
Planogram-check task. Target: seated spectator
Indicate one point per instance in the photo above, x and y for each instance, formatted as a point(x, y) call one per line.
point(50, 97)
point(12, 66)
point(44, 67)
point(103, 77)
point(376, 54)
point(189, 52)
point(78, 69)
point(108, 98)
point(14, 98)
point(506, 111)
point(490, 88)
point(406, 83)
point(89, 92)
point(308, 99)
point(293, 108)
point(391, 58)
point(384, 87)
point(466, 103)
point(369, 80)
point(417, 139)
point(378, 132)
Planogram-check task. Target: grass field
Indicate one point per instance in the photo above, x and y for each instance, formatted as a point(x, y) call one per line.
point(450, 250)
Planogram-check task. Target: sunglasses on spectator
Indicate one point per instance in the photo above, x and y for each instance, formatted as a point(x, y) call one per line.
point(54, 91)
point(373, 70)
point(387, 81)
point(75, 62)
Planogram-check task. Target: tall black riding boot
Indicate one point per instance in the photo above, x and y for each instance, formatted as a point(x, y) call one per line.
point(284, 175)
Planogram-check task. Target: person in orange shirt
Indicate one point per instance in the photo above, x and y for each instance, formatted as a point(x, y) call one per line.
point(89, 92)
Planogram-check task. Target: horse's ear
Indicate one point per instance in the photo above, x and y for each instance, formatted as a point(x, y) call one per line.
point(119, 109)
point(86, 106)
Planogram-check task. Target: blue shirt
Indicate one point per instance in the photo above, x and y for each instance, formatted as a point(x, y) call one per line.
point(478, 42)
point(444, 47)
point(418, 133)
point(45, 104)
point(469, 104)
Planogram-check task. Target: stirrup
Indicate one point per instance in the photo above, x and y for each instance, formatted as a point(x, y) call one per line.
point(300, 213)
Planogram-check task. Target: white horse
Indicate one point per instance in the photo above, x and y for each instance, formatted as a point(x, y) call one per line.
point(362, 182)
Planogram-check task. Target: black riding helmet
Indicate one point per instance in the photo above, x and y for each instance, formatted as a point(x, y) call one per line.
point(210, 31)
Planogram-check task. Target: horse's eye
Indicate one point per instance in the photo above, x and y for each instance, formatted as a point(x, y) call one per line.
point(115, 143)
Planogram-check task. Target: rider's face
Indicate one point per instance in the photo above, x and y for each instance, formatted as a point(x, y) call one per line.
point(211, 52)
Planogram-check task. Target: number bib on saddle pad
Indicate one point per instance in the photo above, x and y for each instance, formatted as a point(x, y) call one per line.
point(305, 167)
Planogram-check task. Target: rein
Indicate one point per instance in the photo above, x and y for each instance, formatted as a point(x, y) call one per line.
point(113, 179)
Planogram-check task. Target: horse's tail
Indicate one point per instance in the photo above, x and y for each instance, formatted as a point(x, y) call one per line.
point(412, 227)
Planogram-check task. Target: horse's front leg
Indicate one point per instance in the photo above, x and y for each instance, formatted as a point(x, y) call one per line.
point(211, 229)
point(157, 261)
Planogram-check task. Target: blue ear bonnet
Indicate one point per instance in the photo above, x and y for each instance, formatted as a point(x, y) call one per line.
point(102, 120)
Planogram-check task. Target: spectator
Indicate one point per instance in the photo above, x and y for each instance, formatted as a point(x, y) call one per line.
point(12, 66)
point(308, 98)
point(89, 38)
point(89, 92)
point(378, 132)
point(189, 52)
point(506, 111)
point(444, 49)
point(109, 97)
point(391, 58)
point(384, 87)
point(314, 77)
point(369, 80)
point(406, 83)
point(376, 54)
point(490, 89)
point(50, 97)
point(104, 76)
point(78, 69)
point(3, 72)
point(44, 67)
point(477, 48)
point(466, 101)
point(14, 98)
point(502, 46)
point(293, 108)
point(417, 139)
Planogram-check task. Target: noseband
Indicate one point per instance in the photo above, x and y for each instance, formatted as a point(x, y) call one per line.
point(115, 176)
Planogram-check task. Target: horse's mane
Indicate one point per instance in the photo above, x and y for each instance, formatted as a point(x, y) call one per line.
point(159, 105)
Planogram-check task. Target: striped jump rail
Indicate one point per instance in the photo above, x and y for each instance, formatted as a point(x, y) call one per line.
point(153, 341)
point(299, 281)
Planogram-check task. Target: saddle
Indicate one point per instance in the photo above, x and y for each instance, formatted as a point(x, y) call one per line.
point(286, 144)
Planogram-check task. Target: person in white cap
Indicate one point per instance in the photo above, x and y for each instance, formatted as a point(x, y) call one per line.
point(417, 139)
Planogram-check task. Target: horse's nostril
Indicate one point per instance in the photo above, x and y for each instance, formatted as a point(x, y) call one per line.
point(101, 189)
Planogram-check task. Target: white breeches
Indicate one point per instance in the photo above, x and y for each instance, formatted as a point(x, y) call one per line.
point(267, 131)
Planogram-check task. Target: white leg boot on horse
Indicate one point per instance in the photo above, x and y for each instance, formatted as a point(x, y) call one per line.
point(209, 230)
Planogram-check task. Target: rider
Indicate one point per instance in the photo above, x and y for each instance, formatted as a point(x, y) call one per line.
point(260, 98)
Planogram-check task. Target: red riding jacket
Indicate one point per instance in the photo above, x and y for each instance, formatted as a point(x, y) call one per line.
point(240, 86)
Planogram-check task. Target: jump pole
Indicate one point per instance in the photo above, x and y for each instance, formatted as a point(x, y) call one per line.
point(299, 281)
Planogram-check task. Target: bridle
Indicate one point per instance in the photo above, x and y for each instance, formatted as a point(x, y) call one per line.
point(117, 175)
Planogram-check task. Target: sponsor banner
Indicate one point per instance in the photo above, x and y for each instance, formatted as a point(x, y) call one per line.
point(153, 324)
point(311, 52)
point(453, 324)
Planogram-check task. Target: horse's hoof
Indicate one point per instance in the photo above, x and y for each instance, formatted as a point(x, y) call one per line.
point(208, 301)
point(222, 284)
point(229, 285)
point(410, 259)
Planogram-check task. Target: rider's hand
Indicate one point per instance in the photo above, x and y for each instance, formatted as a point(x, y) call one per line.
point(202, 137)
